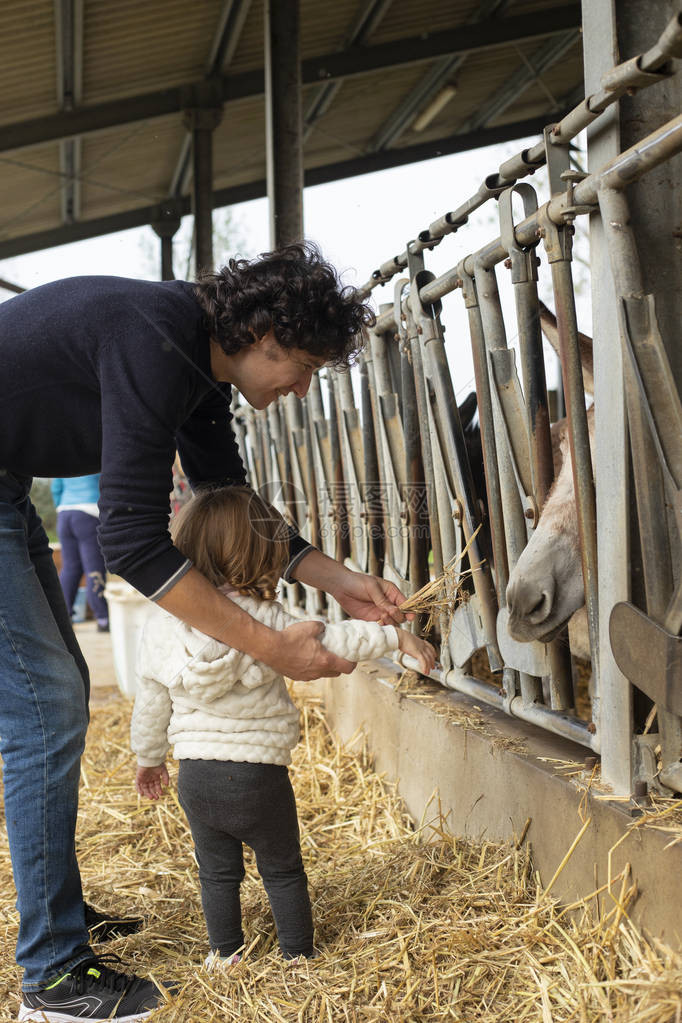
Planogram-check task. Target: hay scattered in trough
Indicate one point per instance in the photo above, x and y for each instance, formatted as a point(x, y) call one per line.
point(664, 813)
point(438, 598)
point(412, 925)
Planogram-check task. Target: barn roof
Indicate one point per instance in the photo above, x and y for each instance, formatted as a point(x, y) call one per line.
point(92, 94)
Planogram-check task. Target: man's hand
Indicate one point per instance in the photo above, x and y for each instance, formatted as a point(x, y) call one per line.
point(370, 598)
point(299, 654)
point(363, 596)
point(151, 781)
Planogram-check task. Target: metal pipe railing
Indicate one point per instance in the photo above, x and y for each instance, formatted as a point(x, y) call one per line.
point(640, 72)
point(364, 464)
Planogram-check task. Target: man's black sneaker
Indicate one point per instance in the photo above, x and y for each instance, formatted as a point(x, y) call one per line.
point(92, 991)
point(105, 926)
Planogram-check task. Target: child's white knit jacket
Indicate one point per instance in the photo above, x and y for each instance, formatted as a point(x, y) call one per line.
point(212, 702)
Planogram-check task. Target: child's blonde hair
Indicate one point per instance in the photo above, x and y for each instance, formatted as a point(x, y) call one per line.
point(233, 536)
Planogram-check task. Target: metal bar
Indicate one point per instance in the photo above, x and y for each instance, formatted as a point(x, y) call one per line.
point(553, 721)
point(651, 502)
point(411, 336)
point(9, 286)
point(366, 22)
point(557, 243)
point(311, 481)
point(494, 334)
point(535, 714)
point(69, 43)
point(350, 442)
point(167, 259)
point(457, 466)
point(523, 266)
point(371, 487)
point(225, 42)
point(165, 225)
point(629, 166)
point(637, 326)
point(540, 60)
point(487, 427)
point(201, 123)
point(400, 119)
point(283, 121)
point(326, 461)
point(413, 482)
point(306, 497)
point(612, 704)
point(388, 430)
point(492, 187)
point(463, 683)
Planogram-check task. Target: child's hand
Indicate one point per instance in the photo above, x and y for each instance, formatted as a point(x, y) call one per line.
point(418, 648)
point(150, 781)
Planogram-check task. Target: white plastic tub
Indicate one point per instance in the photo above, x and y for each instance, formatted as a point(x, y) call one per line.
point(128, 611)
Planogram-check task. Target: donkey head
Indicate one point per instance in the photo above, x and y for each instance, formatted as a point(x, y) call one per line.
point(546, 586)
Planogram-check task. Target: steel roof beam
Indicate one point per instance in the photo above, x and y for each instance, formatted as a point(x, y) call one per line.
point(361, 30)
point(510, 90)
point(226, 41)
point(356, 60)
point(223, 48)
point(69, 60)
point(425, 90)
point(9, 286)
point(257, 189)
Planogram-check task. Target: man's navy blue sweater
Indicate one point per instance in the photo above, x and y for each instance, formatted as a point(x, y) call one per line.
point(112, 375)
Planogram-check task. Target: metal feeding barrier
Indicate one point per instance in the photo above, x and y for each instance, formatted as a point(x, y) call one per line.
point(379, 468)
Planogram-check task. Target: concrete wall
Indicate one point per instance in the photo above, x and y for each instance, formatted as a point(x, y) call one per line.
point(491, 773)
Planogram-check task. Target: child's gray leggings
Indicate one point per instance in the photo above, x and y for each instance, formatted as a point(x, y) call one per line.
point(228, 803)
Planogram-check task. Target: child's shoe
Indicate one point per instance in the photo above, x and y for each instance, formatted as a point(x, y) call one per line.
point(214, 960)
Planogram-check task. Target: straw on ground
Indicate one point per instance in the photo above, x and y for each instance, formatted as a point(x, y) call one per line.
point(411, 926)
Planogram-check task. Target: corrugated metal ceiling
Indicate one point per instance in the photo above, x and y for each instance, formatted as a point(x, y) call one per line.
point(53, 190)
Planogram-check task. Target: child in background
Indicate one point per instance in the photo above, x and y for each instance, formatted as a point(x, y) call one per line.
point(232, 722)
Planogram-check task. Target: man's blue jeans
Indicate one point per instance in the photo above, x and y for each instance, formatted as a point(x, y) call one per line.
point(44, 689)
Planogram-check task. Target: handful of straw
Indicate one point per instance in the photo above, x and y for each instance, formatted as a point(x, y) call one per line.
point(439, 596)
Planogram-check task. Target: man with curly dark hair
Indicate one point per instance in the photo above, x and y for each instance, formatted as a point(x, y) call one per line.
point(274, 320)
point(292, 292)
point(110, 375)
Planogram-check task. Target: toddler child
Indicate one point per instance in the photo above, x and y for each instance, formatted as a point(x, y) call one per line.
point(232, 722)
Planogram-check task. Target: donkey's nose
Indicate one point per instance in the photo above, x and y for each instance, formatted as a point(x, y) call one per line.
point(530, 601)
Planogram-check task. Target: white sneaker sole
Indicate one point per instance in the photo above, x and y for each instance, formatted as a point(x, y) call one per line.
point(216, 962)
point(50, 1016)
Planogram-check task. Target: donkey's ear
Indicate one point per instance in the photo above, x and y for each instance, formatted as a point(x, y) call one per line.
point(467, 410)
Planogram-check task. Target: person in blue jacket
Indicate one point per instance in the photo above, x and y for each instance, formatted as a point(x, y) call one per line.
point(105, 374)
point(77, 519)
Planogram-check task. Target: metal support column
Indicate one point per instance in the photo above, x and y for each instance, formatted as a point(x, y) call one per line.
point(165, 226)
point(656, 203)
point(654, 208)
point(284, 121)
point(614, 30)
point(611, 474)
point(201, 122)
